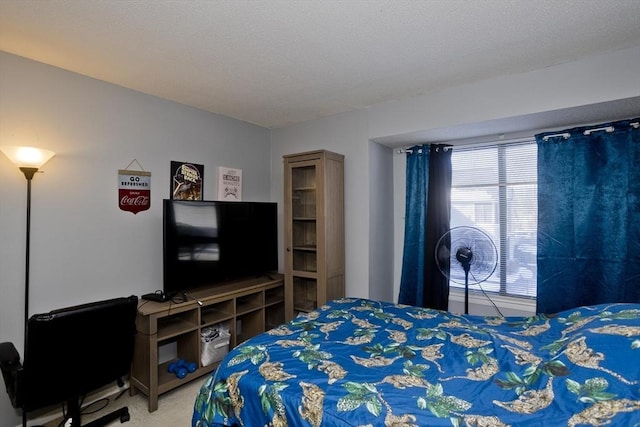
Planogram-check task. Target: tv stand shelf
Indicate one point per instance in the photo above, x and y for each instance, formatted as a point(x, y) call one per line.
point(248, 307)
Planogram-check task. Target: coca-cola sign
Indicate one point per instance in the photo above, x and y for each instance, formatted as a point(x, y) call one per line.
point(134, 190)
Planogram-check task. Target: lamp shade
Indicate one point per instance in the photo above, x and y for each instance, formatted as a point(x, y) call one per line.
point(27, 157)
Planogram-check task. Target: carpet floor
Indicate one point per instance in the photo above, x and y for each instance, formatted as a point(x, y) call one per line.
point(174, 408)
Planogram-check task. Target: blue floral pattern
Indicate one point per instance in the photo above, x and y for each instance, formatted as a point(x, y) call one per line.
point(358, 362)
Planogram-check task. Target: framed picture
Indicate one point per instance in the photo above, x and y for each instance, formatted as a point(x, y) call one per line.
point(186, 181)
point(229, 184)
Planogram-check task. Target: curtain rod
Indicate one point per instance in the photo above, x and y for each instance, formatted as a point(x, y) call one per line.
point(565, 135)
point(588, 132)
point(478, 144)
point(410, 150)
point(607, 129)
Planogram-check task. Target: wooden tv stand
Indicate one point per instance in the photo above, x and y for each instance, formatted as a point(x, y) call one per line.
point(248, 307)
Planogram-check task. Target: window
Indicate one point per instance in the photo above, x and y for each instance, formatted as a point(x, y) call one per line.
point(495, 189)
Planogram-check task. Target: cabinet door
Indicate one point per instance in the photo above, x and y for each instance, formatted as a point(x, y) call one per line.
point(314, 230)
point(303, 208)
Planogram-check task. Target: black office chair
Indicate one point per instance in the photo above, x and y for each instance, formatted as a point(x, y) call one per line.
point(69, 353)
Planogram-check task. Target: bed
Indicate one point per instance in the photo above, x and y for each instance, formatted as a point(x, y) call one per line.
point(358, 362)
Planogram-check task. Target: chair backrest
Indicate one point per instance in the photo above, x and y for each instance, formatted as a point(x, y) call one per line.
point(75, 350)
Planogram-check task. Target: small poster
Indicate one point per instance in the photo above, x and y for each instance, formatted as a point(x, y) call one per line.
point(186, 181)
point(134, 190)
point(229, 184)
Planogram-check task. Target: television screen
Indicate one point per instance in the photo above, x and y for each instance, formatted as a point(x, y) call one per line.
point(208, 242)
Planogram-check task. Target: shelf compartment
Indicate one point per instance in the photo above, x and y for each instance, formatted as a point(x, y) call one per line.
point(303, 177)
point(304, 233)
point(249, 303)
point(304, 260)
point(303, 203)
point(304, 306)
point(273, 296)
point(168, 381)
point(274, 315)
point(249, 325)
point(176, 324)
point(305, 292)
point(216, 313)
point(186, 348)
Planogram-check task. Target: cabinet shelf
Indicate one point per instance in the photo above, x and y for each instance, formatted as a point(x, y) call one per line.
point(249, 324)
point(305, 306)
point(272, 315)
point(249, 303)
point(247, 307)
point(168, 381)
point(171, 326)
point(177, 327)
point(274, 296)
point(305, 274)
point(212, 314)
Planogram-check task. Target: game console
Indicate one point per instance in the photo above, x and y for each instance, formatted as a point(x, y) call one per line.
point(157, 296)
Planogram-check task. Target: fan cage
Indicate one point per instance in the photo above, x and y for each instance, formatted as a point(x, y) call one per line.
point(484, 255)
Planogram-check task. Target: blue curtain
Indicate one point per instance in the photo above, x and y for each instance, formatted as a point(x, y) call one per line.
point(588, 216)
point(427, 217)
point(413, 257)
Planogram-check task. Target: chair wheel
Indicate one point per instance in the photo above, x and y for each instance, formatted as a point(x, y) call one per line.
point(124, 418)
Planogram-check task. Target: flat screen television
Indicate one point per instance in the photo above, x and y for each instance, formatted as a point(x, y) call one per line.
point(209, 242)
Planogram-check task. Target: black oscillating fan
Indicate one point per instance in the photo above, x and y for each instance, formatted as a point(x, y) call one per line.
point(468, 251)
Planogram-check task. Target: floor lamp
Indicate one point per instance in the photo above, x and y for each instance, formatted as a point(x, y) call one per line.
point(29, 160)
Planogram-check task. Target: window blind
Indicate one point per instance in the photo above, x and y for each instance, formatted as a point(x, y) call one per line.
point(495, 189)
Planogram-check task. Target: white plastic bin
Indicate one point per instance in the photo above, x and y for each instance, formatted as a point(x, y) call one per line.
point(215, 343)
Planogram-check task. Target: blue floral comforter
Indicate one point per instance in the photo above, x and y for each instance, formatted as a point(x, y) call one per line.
point(357, 362)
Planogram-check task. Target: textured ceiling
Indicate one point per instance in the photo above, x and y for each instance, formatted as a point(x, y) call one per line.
point(279, 62)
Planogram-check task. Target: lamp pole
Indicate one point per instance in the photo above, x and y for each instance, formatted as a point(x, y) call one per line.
point(28, 174)
point(29, 160)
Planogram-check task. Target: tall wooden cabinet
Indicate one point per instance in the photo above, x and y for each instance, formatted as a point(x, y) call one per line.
point(314, 230)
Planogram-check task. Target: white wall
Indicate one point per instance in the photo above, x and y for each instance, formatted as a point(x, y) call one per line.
point(83, 248)
point(344, 134)
point(592, 80)
point(553, 96)
point(381, 223)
